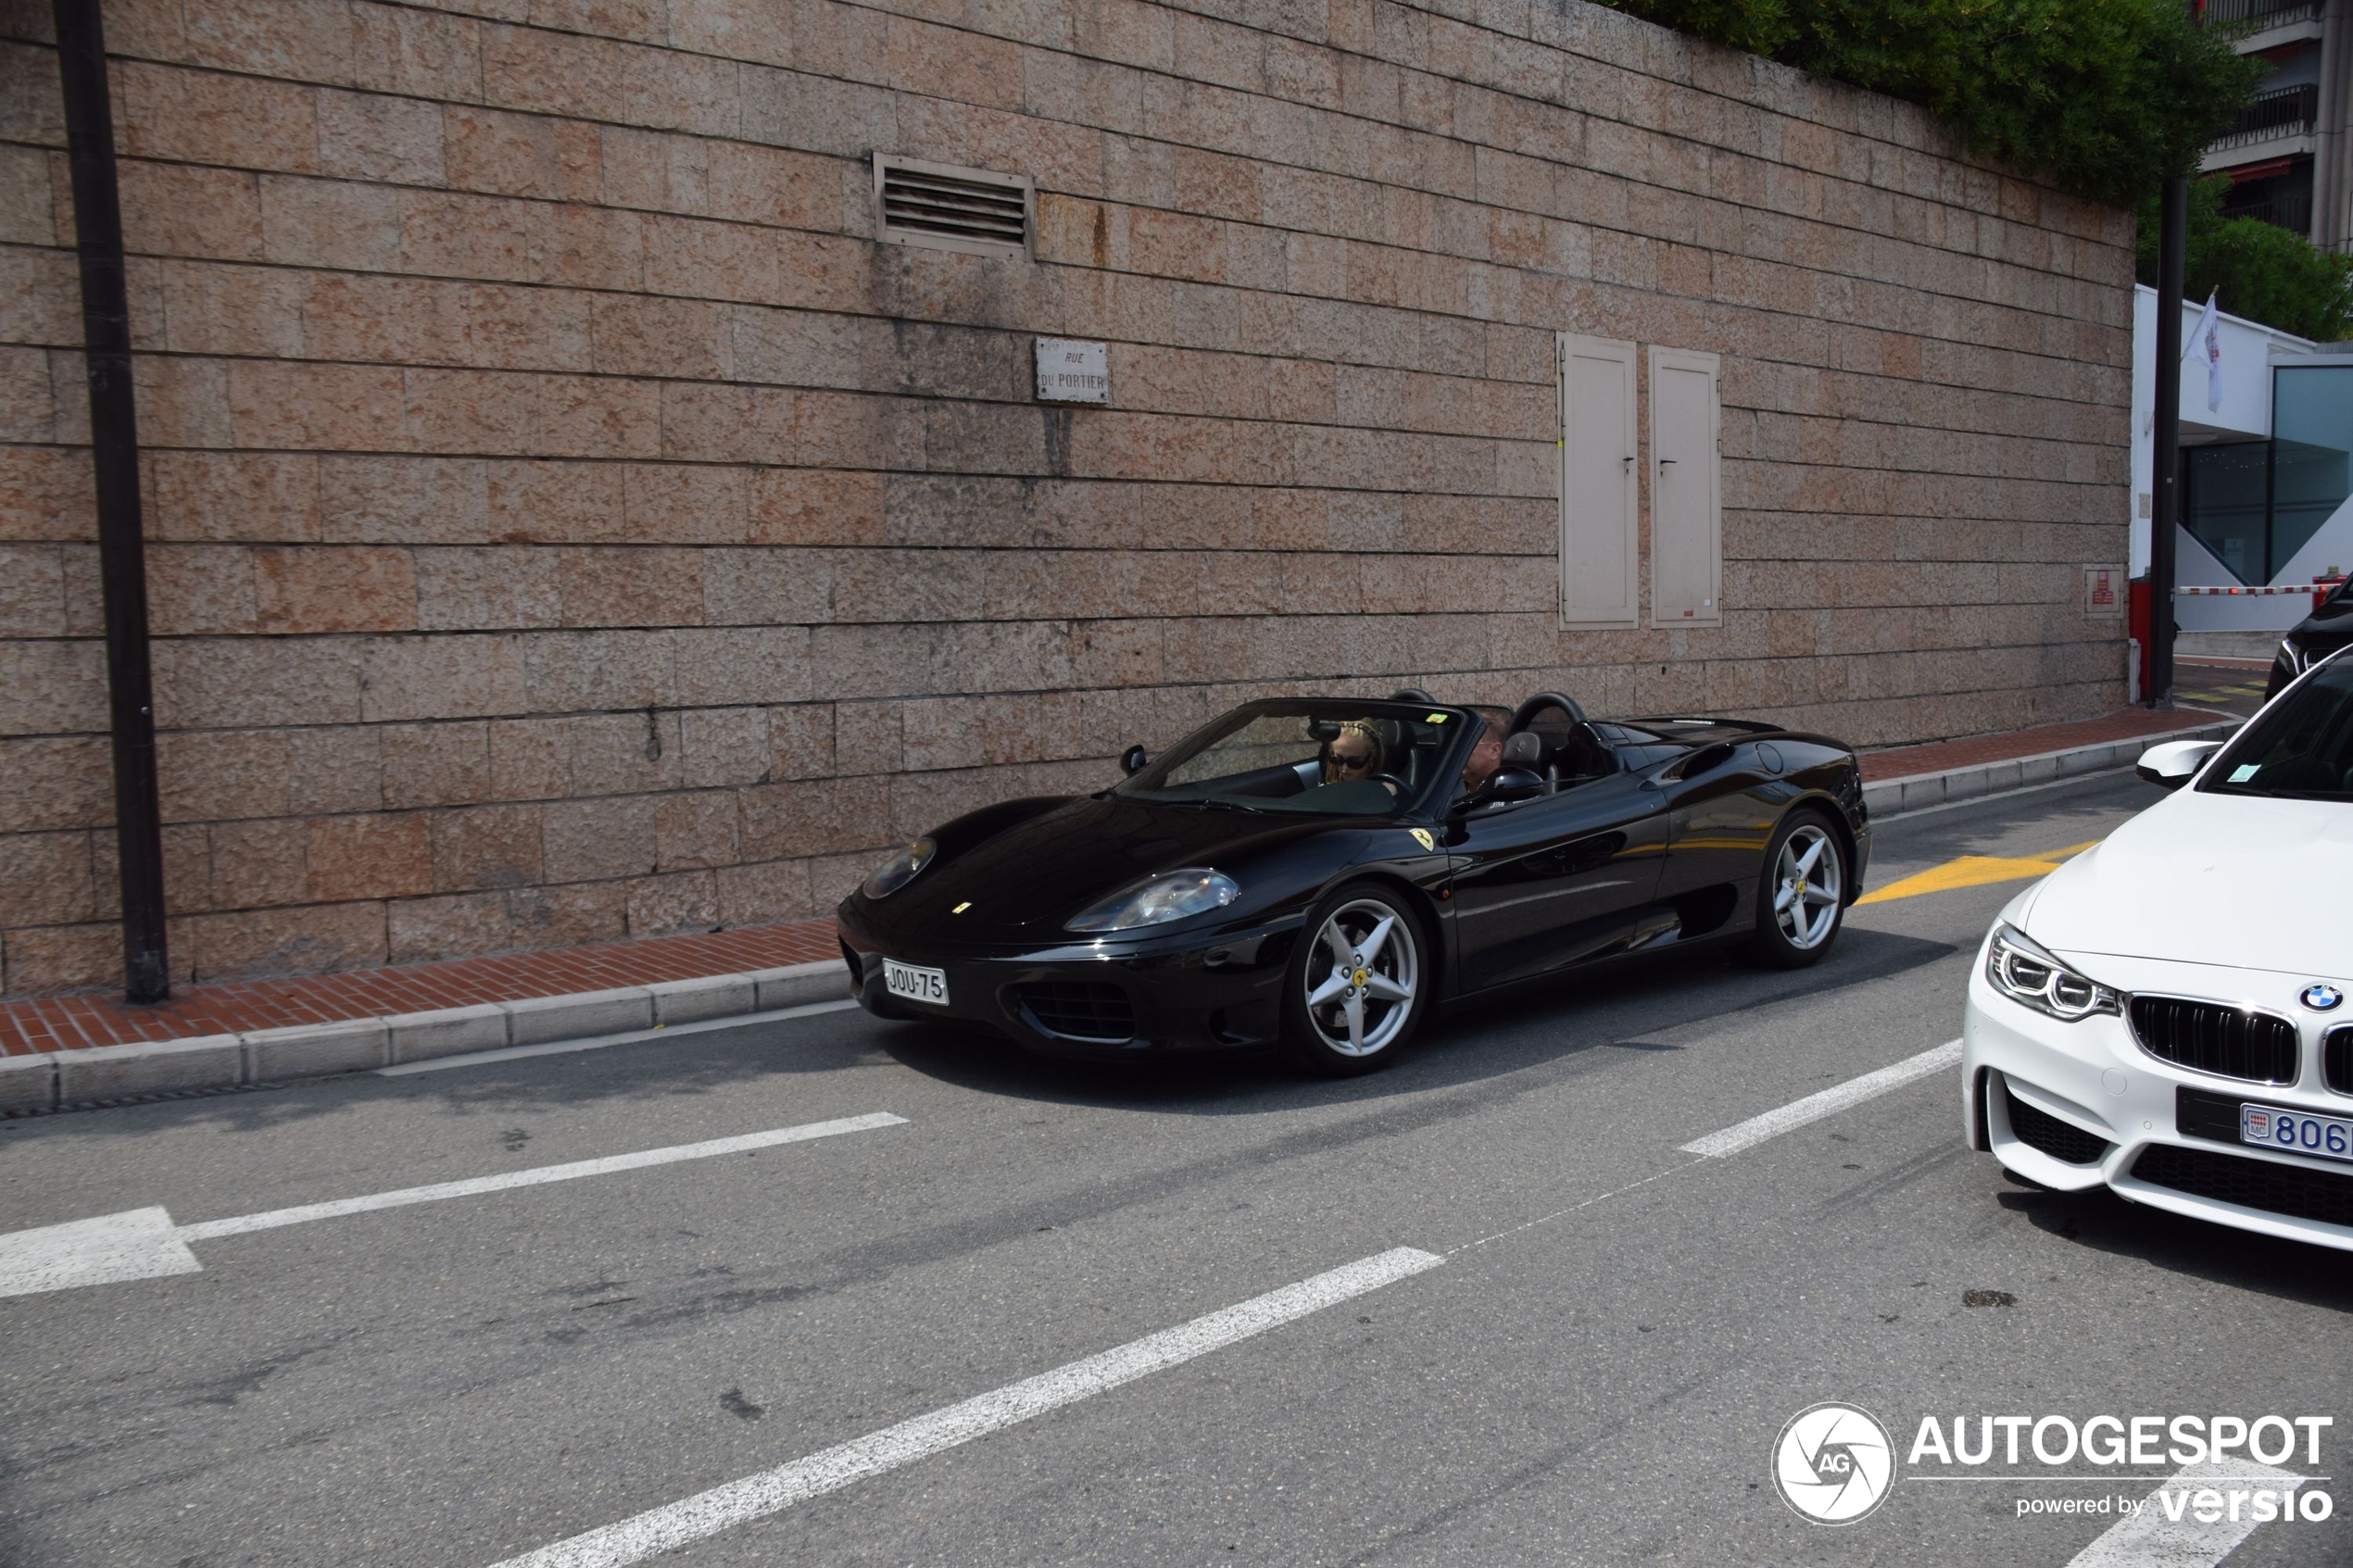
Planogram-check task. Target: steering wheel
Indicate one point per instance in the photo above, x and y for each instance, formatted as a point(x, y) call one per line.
point(1397, 786)
point(1541, 701)
point(1413, 694)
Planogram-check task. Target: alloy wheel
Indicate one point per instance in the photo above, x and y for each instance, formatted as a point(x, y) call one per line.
point(1360, 978)
point(1809, 882)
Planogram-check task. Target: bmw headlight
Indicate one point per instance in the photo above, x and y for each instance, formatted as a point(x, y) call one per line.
point(901, 869)
point(2024, 972)
point(1170, 896)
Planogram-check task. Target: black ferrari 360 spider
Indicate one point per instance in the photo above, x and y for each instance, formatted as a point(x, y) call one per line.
point(1317, 872)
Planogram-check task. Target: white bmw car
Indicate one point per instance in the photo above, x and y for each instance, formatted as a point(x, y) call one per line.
point(2165, 1014)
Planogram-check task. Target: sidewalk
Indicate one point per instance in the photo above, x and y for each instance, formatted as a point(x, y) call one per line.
point(1908, 778)
point(62, 1051)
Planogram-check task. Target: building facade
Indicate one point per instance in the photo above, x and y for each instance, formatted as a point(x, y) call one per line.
point(2290, 157)
point(581, 503)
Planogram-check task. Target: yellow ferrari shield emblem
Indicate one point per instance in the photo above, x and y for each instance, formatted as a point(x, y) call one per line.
point(1422, 837)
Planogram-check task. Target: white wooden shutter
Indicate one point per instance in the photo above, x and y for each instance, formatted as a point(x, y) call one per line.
point(1601, 549)
point(1687, 530)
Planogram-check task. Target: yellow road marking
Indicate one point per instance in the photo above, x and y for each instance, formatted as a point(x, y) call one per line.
point(1975, 871)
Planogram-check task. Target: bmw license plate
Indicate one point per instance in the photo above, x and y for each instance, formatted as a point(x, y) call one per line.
point(915, 984)
point(2328, 1138)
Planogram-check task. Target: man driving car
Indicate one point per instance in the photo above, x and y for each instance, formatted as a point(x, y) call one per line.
point(1487, 755)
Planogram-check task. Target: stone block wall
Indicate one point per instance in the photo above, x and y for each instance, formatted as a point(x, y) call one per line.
point(566, 522)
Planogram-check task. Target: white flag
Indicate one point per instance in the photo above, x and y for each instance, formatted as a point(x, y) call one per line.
point(2209, 329)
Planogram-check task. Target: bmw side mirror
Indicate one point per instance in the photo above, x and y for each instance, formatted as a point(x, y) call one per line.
point(2176, 762)
point(1133, 761)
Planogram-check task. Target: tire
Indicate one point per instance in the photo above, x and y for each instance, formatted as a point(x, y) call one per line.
point(1802, 850)
point(1335, 1023)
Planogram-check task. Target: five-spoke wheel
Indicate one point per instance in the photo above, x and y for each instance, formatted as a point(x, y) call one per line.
point(1803, 896)
point(1355, 984)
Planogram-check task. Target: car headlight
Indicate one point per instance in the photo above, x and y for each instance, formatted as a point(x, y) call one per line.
point(2291, 658)
point(2024, 972)
point(901, 869)
point(1170, 896)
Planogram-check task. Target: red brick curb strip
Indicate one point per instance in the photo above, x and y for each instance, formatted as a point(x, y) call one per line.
point(53, 1079)
point(1885, 798)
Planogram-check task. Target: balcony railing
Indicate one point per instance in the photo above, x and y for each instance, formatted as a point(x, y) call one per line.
point(2290, 111)
point(2291, 210)
point(2255, 16)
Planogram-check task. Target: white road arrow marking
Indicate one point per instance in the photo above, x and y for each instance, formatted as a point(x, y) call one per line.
point(2168, 1531)
point(145, 1244)
point(137, 1244)
point(771, 1491)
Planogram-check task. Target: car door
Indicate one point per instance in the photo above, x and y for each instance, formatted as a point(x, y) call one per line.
point(1548, 881)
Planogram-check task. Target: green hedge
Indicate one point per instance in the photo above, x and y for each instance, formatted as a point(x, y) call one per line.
point(2104, 97)
point(2261, 271)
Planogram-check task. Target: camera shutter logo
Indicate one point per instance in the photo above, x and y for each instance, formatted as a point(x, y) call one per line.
point(1833, 1464)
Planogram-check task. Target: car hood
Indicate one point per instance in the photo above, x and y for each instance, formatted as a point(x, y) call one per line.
point(1036, 874)
point(2215, 879)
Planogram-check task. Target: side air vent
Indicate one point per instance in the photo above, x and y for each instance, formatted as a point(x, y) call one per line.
point(941, 208)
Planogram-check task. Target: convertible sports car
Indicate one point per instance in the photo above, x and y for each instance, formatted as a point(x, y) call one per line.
point(1318, 871)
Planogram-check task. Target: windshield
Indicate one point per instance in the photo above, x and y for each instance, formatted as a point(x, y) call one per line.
point(1372, 760)
point(2299, 748)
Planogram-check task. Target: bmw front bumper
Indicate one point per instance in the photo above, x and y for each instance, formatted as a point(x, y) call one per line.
point(2077, 1105)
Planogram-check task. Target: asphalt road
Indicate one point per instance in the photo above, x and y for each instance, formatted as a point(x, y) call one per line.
point(1595, 1373)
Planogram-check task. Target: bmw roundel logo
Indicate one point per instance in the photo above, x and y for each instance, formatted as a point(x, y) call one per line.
point(2321, 998)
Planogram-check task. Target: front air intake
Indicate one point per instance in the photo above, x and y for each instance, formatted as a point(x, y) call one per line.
point(2209, 1038)
point(2063, 1141)
point(2251, 1184)
point(1078, 1009)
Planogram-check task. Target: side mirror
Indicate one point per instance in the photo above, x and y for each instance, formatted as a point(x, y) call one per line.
point(1515, 783)
point(2176, 762)
point(1134, 759)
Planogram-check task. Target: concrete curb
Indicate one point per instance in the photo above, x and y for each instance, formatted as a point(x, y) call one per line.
point(1893, 797)
point(54, 1080)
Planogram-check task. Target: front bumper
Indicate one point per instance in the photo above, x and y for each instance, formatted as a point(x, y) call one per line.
point(2077, 1106)
point(1092, 998)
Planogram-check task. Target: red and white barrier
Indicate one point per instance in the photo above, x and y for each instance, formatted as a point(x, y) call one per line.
point(2319, 589)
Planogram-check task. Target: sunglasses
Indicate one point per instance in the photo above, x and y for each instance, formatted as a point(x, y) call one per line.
point(1349, 762)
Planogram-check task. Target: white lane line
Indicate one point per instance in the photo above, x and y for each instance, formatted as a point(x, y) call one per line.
point(771, 1491)
point(2167, 1531)
point(629, 1037)
point(536, 1177)
point(145, 1244)
point(1813, 1108)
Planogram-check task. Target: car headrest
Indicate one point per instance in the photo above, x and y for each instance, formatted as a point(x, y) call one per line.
point(1525, 749)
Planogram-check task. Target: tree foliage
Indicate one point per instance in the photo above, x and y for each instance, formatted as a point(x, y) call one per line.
point(2259, 270)
point(2104, 97)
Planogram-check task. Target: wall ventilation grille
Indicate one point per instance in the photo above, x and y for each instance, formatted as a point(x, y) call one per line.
point(946, 208)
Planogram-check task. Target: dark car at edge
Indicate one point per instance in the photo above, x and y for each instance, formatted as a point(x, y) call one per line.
point(1247, 888)
point(2312, 639)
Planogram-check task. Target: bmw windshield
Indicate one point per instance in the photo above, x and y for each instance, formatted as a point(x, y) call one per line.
point(1333, 758)
point(2298, 748)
